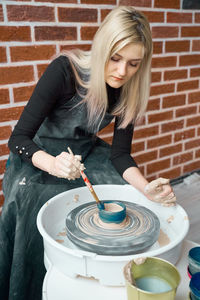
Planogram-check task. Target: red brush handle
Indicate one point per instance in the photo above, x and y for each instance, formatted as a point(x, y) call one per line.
point(87, 182)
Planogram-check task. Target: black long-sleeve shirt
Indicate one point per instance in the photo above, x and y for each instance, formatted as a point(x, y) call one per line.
point(55, 87)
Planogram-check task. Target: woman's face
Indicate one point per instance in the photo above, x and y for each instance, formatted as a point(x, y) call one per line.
point(123, 65)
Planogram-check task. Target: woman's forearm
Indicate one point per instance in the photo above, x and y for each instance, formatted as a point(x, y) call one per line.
point(134, 177)
point(43, 160)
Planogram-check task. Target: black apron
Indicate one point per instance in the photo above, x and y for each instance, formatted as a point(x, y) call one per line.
point(27, 188)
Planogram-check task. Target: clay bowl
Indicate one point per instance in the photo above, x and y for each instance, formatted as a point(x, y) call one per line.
point(114, 212)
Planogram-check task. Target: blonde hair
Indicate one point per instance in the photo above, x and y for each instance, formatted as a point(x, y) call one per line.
point(122, 26)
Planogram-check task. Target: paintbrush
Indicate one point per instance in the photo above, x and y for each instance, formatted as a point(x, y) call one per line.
point(100, 204)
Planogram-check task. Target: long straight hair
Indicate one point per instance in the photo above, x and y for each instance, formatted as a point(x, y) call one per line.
point(122, 26)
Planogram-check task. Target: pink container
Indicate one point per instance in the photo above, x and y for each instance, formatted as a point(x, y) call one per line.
point(189, 273)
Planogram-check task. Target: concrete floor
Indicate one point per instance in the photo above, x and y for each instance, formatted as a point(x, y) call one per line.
point(188, 196)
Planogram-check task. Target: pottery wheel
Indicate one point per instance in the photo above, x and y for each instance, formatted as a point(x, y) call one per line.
point(139, 230)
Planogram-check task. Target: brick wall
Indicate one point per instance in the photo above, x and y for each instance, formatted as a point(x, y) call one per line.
point(167, 142)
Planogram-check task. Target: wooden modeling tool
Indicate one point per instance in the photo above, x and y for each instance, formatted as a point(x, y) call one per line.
point(100, 204)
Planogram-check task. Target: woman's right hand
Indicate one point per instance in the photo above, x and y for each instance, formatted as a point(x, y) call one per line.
point(160, 190)
point(66, 165)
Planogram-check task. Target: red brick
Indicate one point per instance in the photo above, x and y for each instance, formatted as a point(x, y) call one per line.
point(190, 31)
point(3, 57)
point(77, 14)
point(196, 45)
point(145, 132)
point(142, 169)
point(23, 93)
point(108, 129)
point(175, 74)
point(187, 85)
point(172, 173)
point(154, 16)
point(146, 157)
point(198, 131)
point(191, 167)
point(167, 4)
point(4, 96)
point(159, 117)
point(10, 114)
point(2, 166)
point(10, 75)
point(188, 60)
point(108, 2)
point(30, 13)
point(153, 104)
point(108, 139)
point(172, 101)
point(164, 32)
point(142, 3)
point(137, 147)
point(194, 97)
point(159, 141)
point(41, 68)
point(172, 126)
point(150, 178)
point(55, 33)
point(15, 33)
point(88, 32)
point(182, 112)
point(5, 132)
point(140, 122)
point(177, 46)
point(158, 166)
point(192, 144)
point(195, 72)
point(182, 158)
point(4, 150)
point(57, 1)
point(104, 13)
point(157, 47)
point(197, 154)
point(184, 135)
point(197, 17)
point(1, 200)
point(164, 62)
point(1, 13)
point(24, 53)
point(170, 150)
point(174, 17)
point(162, 89)
point(85, 47)
point(193, 121)
point(155, 76)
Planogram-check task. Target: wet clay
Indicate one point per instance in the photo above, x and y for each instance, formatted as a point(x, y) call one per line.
point(170, 219)
point(163, 239)
point(104, 225)
point(113, 207)
point(60, 241)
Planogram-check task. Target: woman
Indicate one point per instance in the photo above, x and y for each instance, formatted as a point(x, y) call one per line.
point(79, 94)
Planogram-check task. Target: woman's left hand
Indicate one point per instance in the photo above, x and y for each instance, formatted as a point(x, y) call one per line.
point(160, 190)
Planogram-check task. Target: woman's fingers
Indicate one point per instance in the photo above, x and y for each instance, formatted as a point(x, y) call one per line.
point(67, 165)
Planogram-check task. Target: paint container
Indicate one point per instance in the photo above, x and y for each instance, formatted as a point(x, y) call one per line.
point(189, 273)
point(195, 287)
point(155, 279)
point(194, 260)
point(114, 212)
